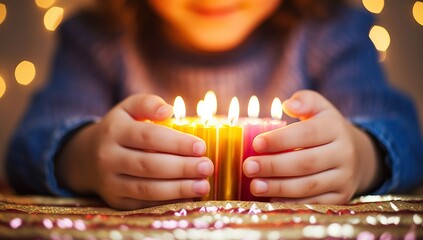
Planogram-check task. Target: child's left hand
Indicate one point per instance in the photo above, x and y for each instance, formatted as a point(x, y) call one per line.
point(321, 159)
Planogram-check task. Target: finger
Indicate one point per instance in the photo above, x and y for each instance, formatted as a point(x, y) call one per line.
point(154, 190)
point(151, 107)
point(290, 164)
point(163, 166)
point(153, 137)
point(324, 198)
point(305, 104)
point(303, 134)
point(297, 187)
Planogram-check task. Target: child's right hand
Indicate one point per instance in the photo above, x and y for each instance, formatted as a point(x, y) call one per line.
point(135, 164)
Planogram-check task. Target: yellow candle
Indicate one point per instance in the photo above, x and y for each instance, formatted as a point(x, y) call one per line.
point(209, 135)
point(206, 129)
point(179, 122)
point(229, 156)
point(167, 123)
point(184, 125)
point(229, 163)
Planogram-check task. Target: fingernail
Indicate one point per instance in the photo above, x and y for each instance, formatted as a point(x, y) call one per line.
point(252, 168)
point(199, 148)
point(165, 110)
point(260, 187)
point(294, 104)
point(259, 144)
point(205, 168)
point(201, 187)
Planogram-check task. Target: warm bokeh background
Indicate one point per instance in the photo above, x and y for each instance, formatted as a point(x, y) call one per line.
point(27, 34)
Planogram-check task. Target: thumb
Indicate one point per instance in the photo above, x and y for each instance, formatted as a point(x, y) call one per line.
point(143, 107)
point(305, 104)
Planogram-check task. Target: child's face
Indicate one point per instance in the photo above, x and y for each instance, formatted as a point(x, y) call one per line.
point(212, 25)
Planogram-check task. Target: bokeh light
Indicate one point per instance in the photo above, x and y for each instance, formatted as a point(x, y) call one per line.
point(53, 18)
point(2, 87)
point(380, 38)
point(382, 56)
point(25, 72)
point(374, 6)
point(44, 3)
point(418, 12)
point(3, 12)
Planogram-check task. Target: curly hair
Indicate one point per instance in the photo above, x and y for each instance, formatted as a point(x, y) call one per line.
point(132, 13)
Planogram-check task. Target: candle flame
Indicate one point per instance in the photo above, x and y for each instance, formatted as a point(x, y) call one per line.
point(204, 111)
point(179, 110)
point(200, 108)
point(211, 101)
point(233, 113)
point(253, 107)
point(276, 110)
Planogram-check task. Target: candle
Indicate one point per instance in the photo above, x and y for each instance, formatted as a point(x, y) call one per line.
point(229, 156)
point(178, 113)
point(276, 112)
point(181, 123)
point(254, 126)
point(211, 102)
point(207, 130)
point(228, 143)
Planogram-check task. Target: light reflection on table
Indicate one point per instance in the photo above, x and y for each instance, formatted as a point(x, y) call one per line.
point(370, 217)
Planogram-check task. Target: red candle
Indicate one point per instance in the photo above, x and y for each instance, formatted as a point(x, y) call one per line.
point(254, 126)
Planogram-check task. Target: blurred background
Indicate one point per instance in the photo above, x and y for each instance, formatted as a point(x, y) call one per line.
point(27, 42)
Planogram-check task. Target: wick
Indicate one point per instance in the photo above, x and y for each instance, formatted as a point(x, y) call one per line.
point(232, 121)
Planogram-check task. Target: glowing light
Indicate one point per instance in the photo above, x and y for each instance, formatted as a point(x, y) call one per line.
point(382, 56)
point(417, 219)
point(200, 108)
point(80, 225)
point(3, 12)
point(15, 223)
point(2, 87)
point(204, 111)
point(374, 6)
point(44, 3)
point(211, 101)
point(314, 231)
point(179, 110)
point(25, 72)
point(64, 223)
point(53, 18)
point(335, 230)
point(417, 12)
point(233, 113)
point(253, 107)
point(380, 38)
point(114, 234)
point(276, 110)
point(48, 223)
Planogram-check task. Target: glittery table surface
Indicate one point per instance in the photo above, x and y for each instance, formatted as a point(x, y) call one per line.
point(369, 217)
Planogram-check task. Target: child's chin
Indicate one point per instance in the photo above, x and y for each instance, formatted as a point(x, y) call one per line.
point(217, 45)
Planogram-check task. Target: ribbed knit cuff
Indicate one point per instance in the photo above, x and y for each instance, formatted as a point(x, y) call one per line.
point(59, 137)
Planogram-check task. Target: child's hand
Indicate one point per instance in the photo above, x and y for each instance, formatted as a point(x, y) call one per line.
point(134, 164)
point(321, 159)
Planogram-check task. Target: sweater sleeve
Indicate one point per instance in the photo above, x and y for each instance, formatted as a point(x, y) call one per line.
point(346, 70)
point(80, 90)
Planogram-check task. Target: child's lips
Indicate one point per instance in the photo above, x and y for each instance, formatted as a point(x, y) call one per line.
point(214, 12)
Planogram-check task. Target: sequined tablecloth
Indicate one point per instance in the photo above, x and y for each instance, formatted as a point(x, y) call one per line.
point(369, 217)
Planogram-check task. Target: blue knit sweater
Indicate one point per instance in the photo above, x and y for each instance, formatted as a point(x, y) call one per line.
point(94, 69)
